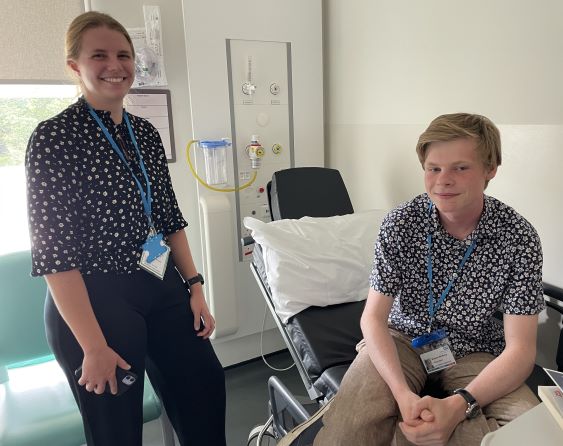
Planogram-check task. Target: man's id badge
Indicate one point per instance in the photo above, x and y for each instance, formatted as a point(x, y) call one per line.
point(435, 351)
point(155, 255)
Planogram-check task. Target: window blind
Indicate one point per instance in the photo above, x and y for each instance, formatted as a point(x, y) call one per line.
point(32, 39)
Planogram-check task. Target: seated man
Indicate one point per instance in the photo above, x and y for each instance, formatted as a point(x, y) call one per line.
point(448, 259)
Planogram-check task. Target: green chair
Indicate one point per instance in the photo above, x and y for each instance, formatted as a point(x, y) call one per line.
point(36, 404)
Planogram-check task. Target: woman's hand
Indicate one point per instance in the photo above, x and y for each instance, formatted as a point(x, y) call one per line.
point(201, 312)
point(98, 368)
point(182, 257)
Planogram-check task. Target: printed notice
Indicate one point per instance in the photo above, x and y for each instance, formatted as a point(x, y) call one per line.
point(155, 107)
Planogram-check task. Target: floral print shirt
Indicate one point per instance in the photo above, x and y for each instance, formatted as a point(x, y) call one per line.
point(504, 273)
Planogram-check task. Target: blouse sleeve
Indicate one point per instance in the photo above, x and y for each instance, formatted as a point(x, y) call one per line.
point(52, 191)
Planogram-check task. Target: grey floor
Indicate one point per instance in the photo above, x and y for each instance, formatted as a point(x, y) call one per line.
point(247, 398)
point(247, 394)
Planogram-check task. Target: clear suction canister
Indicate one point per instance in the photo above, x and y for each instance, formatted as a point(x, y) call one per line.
point(215, 157)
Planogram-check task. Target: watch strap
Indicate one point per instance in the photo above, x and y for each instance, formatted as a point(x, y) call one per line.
point(198, 278)
point(473, 408)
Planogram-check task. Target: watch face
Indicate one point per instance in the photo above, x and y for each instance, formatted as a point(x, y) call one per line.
point(473, 410)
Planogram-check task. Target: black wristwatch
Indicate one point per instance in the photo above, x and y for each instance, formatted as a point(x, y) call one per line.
point(195, 279)
point(473, 408)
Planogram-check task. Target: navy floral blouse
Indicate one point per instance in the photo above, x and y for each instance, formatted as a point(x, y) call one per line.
point(84, 207)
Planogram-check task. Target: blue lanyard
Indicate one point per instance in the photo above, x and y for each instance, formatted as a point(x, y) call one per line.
point(433, 306)
point(145, 196)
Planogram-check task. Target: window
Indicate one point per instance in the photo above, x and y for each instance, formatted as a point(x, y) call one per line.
point(22, 107)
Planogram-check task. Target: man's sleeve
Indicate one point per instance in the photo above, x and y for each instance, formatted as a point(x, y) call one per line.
point(385, 275)
point(524, 293)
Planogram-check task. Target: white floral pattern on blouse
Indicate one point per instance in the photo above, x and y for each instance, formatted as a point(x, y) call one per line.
point(84, 208)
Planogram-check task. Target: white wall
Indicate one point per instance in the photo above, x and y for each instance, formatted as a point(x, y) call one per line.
point(391, 66)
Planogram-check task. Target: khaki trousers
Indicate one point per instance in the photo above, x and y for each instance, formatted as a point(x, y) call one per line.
point(364, 411)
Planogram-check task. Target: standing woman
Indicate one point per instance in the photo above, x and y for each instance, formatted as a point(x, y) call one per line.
point(108, 237)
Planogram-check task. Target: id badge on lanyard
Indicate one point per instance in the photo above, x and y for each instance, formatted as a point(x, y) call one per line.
point(434, 350)
point(434, 347)
point(154, 257)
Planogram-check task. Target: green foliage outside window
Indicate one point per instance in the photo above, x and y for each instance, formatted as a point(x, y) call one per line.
point(18, 119)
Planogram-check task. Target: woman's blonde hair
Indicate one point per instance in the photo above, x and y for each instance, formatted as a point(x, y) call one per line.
point(463, 125)
point(83, 23)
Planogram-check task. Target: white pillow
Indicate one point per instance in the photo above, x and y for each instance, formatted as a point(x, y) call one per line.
point(317, 261)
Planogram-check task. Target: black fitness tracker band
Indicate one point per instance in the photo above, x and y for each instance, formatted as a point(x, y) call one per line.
point(193, 280)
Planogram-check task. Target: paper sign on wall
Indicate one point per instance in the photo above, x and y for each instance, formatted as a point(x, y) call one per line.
point(155, 107)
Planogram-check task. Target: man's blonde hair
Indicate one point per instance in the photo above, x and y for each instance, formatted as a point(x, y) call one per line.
point(463, 125)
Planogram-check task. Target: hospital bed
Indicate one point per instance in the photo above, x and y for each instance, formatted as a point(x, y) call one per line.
point(322, 339)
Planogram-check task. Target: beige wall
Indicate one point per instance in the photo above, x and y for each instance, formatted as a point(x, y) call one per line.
point(393, 65)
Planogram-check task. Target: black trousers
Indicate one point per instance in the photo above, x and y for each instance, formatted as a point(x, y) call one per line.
point(149, 323)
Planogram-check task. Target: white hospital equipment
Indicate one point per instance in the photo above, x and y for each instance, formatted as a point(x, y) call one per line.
point(257, 81)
